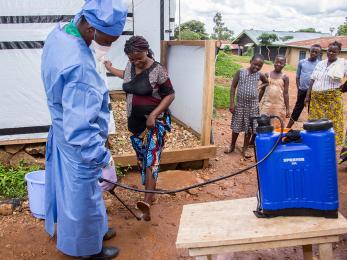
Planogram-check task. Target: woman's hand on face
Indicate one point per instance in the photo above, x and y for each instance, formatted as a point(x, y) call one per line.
point(108, 65)
point(150, 123)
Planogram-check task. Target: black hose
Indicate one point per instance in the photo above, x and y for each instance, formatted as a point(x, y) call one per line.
point(207, 182)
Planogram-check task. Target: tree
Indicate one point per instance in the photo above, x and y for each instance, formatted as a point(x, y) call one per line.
point(221, 32)
point(342, 29)
point(193, 26)
point(267, 39)
point(312, 30)
point(286, 38)
point(189, 35)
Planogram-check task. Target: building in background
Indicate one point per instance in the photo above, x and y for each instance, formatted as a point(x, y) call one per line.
point(299, 50)
point(250, 39)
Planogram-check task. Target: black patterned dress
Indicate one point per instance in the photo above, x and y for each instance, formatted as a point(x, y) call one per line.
point(247, 103)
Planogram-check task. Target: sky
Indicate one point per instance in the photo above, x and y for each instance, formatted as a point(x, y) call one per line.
point(280, 15)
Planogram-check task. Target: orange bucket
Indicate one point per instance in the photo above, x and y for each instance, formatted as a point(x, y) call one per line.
point(278, 130)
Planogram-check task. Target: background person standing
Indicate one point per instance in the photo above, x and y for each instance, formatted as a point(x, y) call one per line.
point(303, 76)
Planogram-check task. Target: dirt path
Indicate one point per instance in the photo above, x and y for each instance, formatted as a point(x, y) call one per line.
point(23, 237)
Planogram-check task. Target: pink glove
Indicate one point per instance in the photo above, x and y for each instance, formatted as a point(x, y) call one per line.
point(108, 173)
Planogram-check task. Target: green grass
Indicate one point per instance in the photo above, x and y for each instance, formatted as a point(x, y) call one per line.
point(240, 59)
point(226, 66)
point(221, 97)
point(289, 67)
point(12, 183)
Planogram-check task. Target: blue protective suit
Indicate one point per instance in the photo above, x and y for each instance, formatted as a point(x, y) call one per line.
point(78, 103)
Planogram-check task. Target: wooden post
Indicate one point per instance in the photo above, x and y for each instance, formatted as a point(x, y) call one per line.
point(307, 252)
point(208, 92)
point(325, 251)
point(163, 53)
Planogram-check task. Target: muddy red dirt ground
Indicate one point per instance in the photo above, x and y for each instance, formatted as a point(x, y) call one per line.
point(23, 237)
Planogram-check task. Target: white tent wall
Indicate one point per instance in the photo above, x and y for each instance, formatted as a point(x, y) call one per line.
point(24, 25)
point(186, 70)
point(39, 7)
point(191, 67)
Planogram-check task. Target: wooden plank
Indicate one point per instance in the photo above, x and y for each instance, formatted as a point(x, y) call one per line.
point(260, 245)
point(187, 43)
point(174, 156)
point(232, 222)
point(307, 250)
point(325, 251)
point(205, 257)
point(208, 92)
point(117, 94)
point(163, 53)
point(23, 141)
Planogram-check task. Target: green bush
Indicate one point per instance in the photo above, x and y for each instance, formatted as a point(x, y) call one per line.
point(240, 59)
point(227, 48)
point(225, 66)
point(221, 97)
point(249, 52)
point(189, 35)
point(12, 183)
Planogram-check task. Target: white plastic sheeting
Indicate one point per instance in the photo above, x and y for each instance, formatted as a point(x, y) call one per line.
point(39, 7)
point(22, 98)
point(186, 71)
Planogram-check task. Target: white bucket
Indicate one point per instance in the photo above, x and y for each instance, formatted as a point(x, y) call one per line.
point(36, 191)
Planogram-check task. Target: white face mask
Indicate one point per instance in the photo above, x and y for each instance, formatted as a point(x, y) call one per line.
point(100, 51)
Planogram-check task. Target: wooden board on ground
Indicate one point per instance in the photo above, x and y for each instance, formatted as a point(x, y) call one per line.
point(173, 156)
point(23, 141)
point(232, 222)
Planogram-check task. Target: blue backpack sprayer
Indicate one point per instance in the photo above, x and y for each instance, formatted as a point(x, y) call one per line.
point(297, 174)
point(300, 177)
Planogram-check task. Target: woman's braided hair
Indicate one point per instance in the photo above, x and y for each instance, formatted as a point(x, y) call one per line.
point(336, 44)
point(137, 44)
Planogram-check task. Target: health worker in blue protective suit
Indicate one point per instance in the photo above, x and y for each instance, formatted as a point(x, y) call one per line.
point(76, 155)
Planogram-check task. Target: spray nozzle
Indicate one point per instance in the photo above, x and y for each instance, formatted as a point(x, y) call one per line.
point(264, 123)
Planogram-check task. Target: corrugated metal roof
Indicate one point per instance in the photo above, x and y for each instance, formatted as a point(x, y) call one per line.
point(323, 41)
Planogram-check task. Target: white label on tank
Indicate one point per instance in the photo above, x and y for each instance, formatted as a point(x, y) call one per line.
point(293, 161)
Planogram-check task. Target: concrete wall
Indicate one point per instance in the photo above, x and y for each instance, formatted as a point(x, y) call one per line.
point(274, 51)
point(293, 54)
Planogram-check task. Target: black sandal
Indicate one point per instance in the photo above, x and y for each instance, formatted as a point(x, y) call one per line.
point(145, 209)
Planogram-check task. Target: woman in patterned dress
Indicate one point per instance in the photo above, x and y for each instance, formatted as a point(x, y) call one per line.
point(247, 102)
point(149, 95)
point(343, 155)
point(324, 95)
